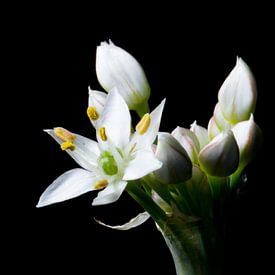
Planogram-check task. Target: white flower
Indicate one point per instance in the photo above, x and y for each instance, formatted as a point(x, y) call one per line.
point(238, 94)
point(117, 157)
point(117, 68)
point(220, 157)
point(177, 166)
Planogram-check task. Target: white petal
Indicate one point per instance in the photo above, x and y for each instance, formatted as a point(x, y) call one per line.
point(201, 133)
point(97, 99)
point(188, 141)
point(146, 140)
point(213, 129)
point(116, 119)
point(222, 123)
point(69, 185)
point(249, 138)
point(144, 163)
point(136, 221)
point(111, 193)
point(86, 152)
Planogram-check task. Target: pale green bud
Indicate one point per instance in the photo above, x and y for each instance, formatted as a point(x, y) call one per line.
point(177, 167)
point(221, 156)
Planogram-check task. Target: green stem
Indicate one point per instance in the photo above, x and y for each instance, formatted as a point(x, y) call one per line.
point(143, 109)
point(135, 191)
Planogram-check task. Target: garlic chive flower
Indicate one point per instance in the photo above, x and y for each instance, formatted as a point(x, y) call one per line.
point(117, 157)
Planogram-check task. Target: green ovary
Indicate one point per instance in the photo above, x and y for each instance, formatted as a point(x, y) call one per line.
point(108, 163)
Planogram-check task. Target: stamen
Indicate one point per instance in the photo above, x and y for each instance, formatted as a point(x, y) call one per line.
point(144, 124)
point(64, 134)
point(102, 134)
point(101, 184)
point(67, 145)
point(92, 113)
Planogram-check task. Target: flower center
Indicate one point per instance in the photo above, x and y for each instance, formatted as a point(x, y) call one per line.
point(108, 163)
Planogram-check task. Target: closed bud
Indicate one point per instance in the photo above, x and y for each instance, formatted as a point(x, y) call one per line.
point(238, 94)
point(177, 167)
point(249, 139)
point(201, 133)
point(117, 68)
point(222, 123)
point(221, 156)
point(188, 141)
point(213, 129)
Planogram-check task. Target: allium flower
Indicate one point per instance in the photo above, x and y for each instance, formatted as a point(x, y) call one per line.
point(185, 181)
point(108, 164)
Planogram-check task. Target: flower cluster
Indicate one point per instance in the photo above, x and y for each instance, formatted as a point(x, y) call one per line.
point(167, 173)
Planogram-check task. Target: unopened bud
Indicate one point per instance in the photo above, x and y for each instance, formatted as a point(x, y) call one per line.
point(221, 156)
point(177, 167)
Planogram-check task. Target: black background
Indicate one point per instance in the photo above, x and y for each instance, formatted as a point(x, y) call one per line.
point(186, 56)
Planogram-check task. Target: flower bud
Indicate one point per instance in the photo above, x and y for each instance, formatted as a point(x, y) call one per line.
point(249, 138)
point(177, 166)
point(221, 156)
point(117, 68)
point(188, 141)
point(201, 133)
point(238, 94)
point(213, 129)
point(222, 123)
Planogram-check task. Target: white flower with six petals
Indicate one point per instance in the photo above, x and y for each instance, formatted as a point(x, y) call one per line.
point(118, 156)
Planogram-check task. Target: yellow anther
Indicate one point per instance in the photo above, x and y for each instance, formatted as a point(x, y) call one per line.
point(64, 134)
point(92, 113)
point(102, 134)
point(101, 184)
point(144, 124)
point(67, 145)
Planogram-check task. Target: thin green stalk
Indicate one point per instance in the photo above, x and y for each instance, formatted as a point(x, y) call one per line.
point(135, 191)
point(143, 109)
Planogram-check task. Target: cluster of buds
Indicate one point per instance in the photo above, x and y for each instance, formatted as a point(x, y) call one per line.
point(229, 143)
